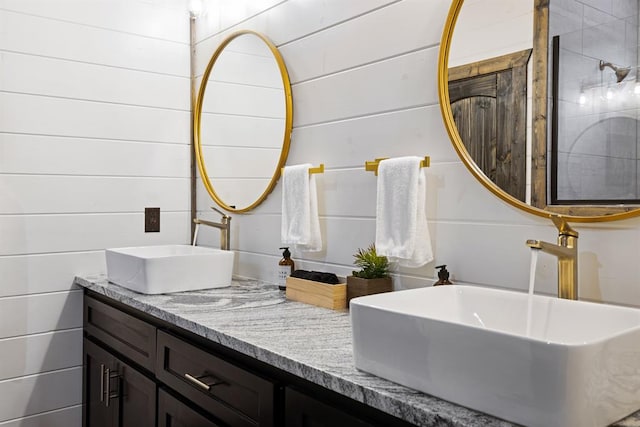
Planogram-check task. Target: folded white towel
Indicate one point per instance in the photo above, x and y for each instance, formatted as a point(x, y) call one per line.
point(300, 223)
point(402, 232)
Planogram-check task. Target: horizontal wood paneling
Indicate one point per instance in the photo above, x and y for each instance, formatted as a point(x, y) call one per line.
point(37, 353)
point(225, 14)
point(95, 126)
point(24, 74)
point(34, 274)
point(34, 314)
point(390, 85)
point(401, 29)
point(45, 194)
point(36, 234)
point(348, 143)
point(38, 154)
point(39, 393)
point(79, 118)
point(83, 43)
point(69, 416)
point(290, 20)
point(117, 15)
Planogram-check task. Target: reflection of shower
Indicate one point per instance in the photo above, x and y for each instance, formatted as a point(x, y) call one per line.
point(621, 72)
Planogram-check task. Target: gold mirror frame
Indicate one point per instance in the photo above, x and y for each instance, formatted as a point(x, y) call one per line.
point(286, 141)
point(539, 127)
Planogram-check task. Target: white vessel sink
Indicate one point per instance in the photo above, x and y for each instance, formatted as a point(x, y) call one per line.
point(169, 268)
point(537, 362)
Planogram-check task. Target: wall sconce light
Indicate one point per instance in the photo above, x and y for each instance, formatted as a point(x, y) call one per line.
point(195, 8)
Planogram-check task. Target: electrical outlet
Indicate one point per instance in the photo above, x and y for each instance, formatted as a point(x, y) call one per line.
point(151, 220)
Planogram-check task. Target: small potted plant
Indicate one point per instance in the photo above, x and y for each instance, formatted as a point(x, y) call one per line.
point(373, 276)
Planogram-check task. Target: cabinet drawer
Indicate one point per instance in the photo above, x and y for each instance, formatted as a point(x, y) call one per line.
point(128, 335)
point(173, 413)
point(302, 410)
point(230, 393)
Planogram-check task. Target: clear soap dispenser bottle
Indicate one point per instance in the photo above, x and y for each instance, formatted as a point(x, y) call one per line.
point(285, 268)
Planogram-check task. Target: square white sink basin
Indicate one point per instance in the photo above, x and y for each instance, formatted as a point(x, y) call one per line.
point(538, 362)
point(169, 268)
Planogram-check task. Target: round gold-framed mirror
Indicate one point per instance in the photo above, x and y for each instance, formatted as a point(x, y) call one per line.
point(242, 121)
point(537, 52)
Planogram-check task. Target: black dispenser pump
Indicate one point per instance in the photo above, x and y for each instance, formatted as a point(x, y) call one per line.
point(443, 276)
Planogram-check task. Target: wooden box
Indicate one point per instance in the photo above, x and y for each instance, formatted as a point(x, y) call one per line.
point(358, 287)
point(317, 293)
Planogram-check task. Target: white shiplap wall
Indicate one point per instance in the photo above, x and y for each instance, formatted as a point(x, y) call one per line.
point(94, 126)
point(364, 75)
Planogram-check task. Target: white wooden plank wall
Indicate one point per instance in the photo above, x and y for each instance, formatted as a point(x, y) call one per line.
point(94, 127)
point(364, 76)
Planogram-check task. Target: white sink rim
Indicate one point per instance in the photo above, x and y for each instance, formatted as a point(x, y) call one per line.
point(526, 380)
point(381, 302)
point(160, 269)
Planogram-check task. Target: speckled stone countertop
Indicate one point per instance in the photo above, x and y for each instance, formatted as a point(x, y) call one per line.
point(314, 343)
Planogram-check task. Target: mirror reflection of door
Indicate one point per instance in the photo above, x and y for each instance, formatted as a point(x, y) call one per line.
point(489, 105)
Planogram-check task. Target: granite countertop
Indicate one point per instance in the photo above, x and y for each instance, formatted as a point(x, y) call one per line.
point(314, 343)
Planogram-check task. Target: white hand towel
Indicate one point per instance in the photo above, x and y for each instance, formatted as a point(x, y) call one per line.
point(402, 232)
point(300, 222)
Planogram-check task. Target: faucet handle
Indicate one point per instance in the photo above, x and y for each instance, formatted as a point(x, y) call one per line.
point(224, 215)
point(564, 229)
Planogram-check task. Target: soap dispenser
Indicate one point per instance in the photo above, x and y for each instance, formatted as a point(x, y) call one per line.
point(285, 268)
point(443, 276)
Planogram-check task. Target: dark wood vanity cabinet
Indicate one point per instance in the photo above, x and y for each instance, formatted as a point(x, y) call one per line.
point(302, 410)
point(173, 413)
point(237, 397)
point(115, 394)
point(140, 371)
point(130, 363)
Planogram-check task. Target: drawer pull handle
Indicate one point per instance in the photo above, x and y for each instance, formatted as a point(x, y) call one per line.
point(108, 394)
point(197, 381)
point(102, 382)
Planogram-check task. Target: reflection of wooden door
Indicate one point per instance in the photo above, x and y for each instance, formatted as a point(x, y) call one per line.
point(488, 100)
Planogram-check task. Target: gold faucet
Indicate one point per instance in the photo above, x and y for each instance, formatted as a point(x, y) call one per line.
point(567, 252)
point(224, 226)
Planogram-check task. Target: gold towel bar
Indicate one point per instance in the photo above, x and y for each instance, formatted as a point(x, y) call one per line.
point(372, 166)
point(316, 169)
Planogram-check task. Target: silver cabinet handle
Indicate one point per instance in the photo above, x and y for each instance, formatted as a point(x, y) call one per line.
point(197, 381)
point(108, 393)
point(102, 382)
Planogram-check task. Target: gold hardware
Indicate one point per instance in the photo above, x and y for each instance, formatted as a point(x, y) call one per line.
point(224, 226)
point(197, 121)
point(567, 253)
point(315, 169)
point(372, 165)
point(197, 381)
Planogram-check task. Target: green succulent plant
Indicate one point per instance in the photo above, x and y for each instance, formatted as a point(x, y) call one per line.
point(372, 266)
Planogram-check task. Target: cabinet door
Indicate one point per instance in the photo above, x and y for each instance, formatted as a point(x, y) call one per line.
point(99, 409)
point(304, 411)
point(138, 398)
point(173, 413)
point(115, 394)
